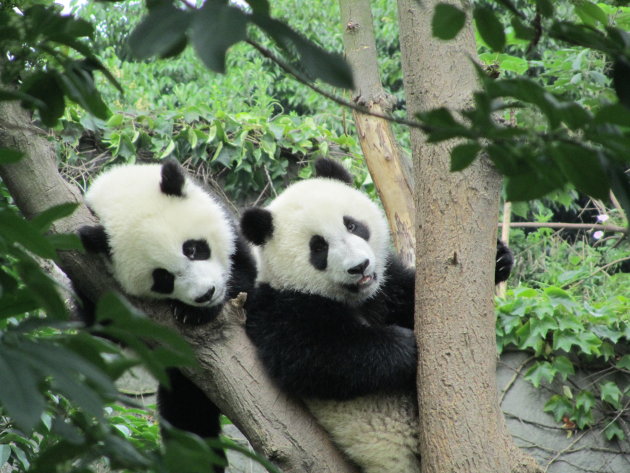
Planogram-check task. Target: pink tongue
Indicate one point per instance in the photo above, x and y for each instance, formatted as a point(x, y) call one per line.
point(365, 279)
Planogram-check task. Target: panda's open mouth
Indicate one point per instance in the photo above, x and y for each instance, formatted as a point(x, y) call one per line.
point(362, 284)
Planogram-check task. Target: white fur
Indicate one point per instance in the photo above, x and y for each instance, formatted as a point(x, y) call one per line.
point(147, 229)
point(317, 207)
point(377, 432)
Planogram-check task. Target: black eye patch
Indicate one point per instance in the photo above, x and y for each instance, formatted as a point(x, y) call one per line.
point(196, 250)
point(357, 228)
point(163, 281)
point(319, 252)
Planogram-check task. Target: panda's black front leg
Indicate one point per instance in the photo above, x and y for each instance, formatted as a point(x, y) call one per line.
point(504, 262)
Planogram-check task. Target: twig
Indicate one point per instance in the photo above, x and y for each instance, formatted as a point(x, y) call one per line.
point(335, 98)
point(564, 450)
point(573, 226)
point(602, 268)
point(517, 373)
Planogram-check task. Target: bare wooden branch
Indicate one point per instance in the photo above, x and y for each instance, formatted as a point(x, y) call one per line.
point(569, 226)
point(230, 373)
point(380, 149)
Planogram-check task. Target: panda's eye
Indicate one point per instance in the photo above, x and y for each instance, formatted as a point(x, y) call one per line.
point(356, 227)
point(196, 250)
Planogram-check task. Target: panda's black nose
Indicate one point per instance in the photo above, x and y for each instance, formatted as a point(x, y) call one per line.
point(206, 297)
point(359, 268)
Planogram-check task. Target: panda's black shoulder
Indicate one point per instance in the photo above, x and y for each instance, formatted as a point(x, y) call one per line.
point(393, 304)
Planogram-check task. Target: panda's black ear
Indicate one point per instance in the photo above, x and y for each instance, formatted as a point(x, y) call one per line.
point(94, 239)
point(257, 225)
point(173, 178)
point(333, 170)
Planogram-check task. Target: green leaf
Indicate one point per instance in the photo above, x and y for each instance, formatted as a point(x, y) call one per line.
point(611, 393)
point(45, 219)
point(539, 372)
point(15, 229)
point(564, 366)
point(162, 29)
point(585, 401)
point(19, 392)
point(216, 27)
point(9, 156)
point(616, 114)
point(316, 62)
point(45, 87)
point(583, 168)
point(545, 8)
point(448, 20)
point(78, 84)
point(523, 31)
point(611, 431)
point(489, 27)
point(5, 453)
point(17, 302)
point(559, 406)
point(587, 10)
point(623, 363)
point(463, 155)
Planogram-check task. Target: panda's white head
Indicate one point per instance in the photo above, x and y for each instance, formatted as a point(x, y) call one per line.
point(321, 236)
point(165, 235)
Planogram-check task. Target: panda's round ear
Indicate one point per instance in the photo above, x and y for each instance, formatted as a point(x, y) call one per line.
point(257, 225)
point(333, 170)
point(173, 178)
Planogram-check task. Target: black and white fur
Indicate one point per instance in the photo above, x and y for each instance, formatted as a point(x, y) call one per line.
point(166, 237)
point(332, 316)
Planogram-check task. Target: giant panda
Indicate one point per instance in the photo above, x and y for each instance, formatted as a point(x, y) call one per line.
point(332, 316)
point(166, 237)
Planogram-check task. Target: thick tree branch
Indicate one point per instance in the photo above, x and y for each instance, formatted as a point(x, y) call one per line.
point(230, 373)
point(380, 149)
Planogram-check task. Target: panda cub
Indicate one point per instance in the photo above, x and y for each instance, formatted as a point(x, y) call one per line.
point(332, 316)
point(166, 237)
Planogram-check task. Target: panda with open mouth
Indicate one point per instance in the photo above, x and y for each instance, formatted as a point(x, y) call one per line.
point(332, 316)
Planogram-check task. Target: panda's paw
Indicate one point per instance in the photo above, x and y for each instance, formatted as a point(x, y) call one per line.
point(193, 316)
point(504, 262)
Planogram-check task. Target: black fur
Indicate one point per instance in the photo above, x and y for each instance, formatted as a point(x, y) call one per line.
point(163, 281)
point(257, 225)
point(319, 252)
point(95, 239)
point(333, 170)
point(504, 262)
point(314, 346)
point(360, 229)
point(196, 250)
point(173, 179)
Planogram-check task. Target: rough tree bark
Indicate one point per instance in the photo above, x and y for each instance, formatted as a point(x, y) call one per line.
point(278, 427)
point(381, 152)
point(462, 427)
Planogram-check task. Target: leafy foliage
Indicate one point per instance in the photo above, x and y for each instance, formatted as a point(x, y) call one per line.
point(574, 317)
point(577, 143)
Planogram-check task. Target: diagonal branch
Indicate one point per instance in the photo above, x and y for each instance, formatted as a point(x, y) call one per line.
point(230, 373)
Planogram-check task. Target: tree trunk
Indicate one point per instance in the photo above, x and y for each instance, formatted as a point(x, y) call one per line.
point(278, 427)
point(378, 143)
point(462, 427)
